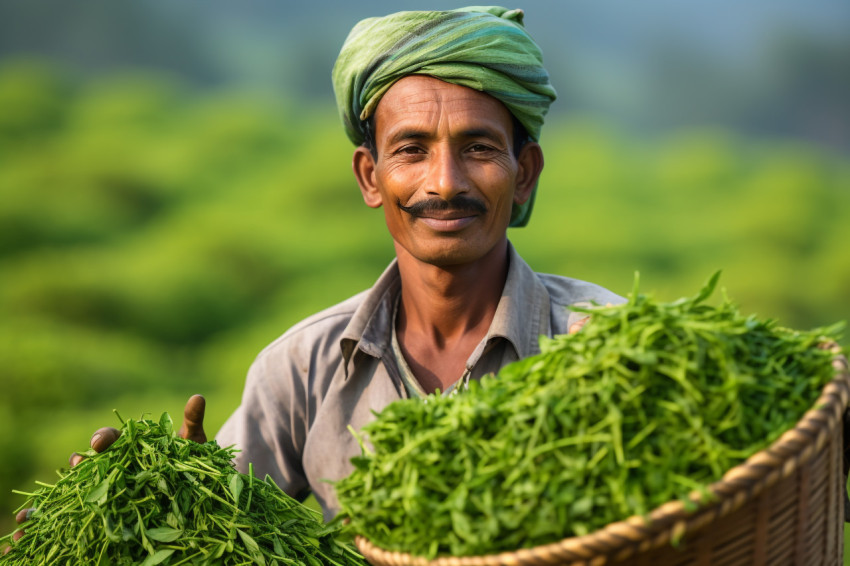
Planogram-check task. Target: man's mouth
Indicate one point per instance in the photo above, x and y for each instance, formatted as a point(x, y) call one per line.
point(447, 214)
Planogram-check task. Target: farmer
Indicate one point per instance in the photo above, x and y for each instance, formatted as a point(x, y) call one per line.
point(445, 110)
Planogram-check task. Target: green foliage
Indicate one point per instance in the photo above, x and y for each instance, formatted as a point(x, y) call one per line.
point(153, 239)
point(766, 212)
point(651, 402)
point(33, 96)
point(155, 498)
point(49, 364)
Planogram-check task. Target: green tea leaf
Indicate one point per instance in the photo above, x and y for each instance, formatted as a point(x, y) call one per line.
point(236, 485)
point(98, 493)
point(164, 534)
point(158, 557)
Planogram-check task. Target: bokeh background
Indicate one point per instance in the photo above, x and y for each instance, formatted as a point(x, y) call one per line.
point(175, 188)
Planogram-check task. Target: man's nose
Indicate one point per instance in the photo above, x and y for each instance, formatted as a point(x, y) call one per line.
point(447, 175)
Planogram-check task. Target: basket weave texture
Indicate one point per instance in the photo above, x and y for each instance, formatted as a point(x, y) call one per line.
point(784, 505)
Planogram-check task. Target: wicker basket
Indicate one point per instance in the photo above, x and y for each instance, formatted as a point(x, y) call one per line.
point(784, 505)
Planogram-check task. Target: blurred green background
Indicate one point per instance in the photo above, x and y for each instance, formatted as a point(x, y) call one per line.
point(175, 188)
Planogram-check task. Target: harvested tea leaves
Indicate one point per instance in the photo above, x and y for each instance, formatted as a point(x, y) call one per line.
point(155, 498)
point(649, 402)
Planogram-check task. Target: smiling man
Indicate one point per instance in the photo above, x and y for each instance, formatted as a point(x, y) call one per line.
point(445, 110)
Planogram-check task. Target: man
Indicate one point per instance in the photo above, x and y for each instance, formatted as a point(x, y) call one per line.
point(445, 110)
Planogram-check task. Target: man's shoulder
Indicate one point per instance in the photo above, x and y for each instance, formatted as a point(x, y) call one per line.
point(563, 291)
point(566, 291)
point(326, 326)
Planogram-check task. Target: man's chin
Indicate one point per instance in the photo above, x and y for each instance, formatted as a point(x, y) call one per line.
point(451, 252)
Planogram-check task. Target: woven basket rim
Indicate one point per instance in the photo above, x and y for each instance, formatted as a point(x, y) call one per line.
point(671, 521)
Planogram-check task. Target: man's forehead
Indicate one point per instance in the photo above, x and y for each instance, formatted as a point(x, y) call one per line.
point(419, 97)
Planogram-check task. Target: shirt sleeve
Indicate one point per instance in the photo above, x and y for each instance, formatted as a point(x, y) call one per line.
point(269, 427)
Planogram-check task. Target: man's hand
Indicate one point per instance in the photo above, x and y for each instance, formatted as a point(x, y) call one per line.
point(192, 429)
point(577, 325)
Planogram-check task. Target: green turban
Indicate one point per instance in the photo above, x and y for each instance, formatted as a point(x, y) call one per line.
point(483, 48)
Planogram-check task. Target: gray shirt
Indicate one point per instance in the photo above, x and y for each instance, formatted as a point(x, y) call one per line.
point(336, 368)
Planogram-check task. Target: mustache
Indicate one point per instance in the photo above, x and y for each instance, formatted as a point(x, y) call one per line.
point(459, 203)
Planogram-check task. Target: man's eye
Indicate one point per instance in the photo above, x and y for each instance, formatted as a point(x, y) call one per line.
point(479, 147)
point(409, 150)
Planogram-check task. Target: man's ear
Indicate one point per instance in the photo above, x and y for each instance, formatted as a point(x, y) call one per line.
point(529, 167)
point(363, 165)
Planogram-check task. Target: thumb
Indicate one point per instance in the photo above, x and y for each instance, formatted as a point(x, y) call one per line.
point(193, 419)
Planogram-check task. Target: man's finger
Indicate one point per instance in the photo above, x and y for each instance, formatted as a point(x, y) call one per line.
point(193, 419)
point(23, 515)
point(103, 438)
point(100, 441)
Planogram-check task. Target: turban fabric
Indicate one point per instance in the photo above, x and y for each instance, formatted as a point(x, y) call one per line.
point(483, 48)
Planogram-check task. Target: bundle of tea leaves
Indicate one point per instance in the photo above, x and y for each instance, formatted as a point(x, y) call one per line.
point(650, 402)
point(155, 498)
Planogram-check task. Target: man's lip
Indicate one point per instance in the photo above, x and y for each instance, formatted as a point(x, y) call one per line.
point(447, 214)
point(447, 224)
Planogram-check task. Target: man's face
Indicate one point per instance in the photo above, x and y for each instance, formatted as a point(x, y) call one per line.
point(445, 172)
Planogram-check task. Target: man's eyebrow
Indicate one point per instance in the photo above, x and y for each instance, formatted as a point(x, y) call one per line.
point(483, 133)
point(406, 134)
point(415, 134)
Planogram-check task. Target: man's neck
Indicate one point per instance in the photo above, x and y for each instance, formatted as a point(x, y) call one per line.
point(445, 311)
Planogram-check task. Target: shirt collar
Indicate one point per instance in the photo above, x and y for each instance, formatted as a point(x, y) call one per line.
point(370, 326)
point(523, 311)
point(521, 317)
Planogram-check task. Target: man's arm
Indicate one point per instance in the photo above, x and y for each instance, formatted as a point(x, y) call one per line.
point(269, 428)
